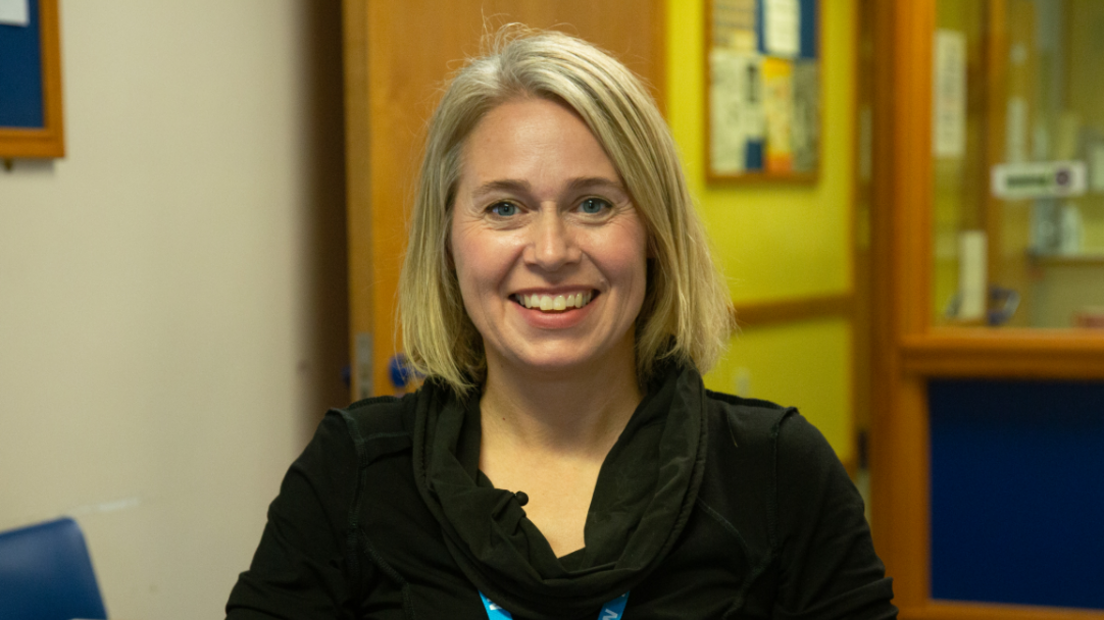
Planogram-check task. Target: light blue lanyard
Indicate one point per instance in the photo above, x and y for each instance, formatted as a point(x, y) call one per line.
point(610, 611)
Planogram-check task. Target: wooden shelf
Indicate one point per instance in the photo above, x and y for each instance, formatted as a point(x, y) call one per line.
point(1067, 260)
point(948, 610)
point(1018, 353)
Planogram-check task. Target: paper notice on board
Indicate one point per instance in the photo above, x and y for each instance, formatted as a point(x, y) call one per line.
point(736, 109)
point(15, 12)
point(782, 27)
point(734, 25)
point(949, 90)
point(778, 103)
point(806, 116)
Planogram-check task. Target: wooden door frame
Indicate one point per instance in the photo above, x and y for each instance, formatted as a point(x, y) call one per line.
point(901, 198)
point(907, 351)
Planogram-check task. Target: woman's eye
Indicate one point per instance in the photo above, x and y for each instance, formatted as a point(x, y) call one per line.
point(593, 206)
point(504, 209)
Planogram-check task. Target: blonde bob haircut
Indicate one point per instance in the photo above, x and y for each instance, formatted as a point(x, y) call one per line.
point(686, 315)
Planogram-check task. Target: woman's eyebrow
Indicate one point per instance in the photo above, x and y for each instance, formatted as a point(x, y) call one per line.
point(522, 186)
point(596, 183)
point(506, 185)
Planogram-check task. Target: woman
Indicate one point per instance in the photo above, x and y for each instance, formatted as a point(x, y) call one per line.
point(563, 459)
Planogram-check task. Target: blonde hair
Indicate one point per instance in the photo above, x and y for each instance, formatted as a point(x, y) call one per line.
point(686, 315)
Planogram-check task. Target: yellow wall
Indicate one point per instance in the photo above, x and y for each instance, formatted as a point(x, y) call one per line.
point(781, 241)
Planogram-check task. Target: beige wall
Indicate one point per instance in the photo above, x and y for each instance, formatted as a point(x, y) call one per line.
point(172, 305)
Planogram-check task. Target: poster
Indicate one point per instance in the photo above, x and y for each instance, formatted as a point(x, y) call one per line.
point(805, 134)
point(778, 101)
point(782, 27)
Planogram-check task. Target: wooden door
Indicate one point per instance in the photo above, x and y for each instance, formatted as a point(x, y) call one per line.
point(398, 54)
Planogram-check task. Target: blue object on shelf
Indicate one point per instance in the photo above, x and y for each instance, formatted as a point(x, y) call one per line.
point(46, 574)
point(1002, 304)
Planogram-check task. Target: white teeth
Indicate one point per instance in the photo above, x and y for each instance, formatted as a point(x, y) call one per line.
point(559, 303)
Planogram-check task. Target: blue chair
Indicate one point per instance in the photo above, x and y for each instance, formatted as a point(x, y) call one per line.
point(46, 574)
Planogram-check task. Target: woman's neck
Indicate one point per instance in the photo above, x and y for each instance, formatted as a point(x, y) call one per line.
point(578, 414)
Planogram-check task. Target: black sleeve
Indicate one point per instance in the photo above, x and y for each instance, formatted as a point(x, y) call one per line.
point(828, 568)
point(300, 569)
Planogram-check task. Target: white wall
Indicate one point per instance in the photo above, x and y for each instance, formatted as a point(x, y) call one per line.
point(172, 292)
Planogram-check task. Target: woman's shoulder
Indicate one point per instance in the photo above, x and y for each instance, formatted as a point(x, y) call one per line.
point(379, 414)
point(375, 426)
point(763, 430)
point(746, 421)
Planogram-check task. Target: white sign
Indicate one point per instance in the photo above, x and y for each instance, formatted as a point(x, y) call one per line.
point(15, 12)
point(1047, 179)
point(949, 90)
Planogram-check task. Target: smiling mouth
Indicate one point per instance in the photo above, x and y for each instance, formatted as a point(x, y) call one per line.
point(554, 303)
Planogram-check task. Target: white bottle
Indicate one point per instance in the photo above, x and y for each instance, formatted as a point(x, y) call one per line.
point(1070, 230)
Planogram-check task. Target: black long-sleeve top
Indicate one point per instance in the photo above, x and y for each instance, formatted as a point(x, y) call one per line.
point(708, 506)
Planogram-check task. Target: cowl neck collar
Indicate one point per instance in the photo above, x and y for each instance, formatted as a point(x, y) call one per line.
point(646, 490)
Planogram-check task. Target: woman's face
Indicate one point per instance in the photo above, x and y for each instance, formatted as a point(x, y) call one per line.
point(549, 251)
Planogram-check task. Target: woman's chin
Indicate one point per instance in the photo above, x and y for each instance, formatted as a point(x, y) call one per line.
point(566, 359)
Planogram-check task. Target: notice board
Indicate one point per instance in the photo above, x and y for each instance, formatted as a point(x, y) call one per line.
point(763, 82)
point(30, 80)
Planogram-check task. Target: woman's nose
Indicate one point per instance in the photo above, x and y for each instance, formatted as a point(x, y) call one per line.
point(552, 245)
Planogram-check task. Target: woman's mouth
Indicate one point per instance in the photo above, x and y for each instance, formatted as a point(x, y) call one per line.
point(554, 303)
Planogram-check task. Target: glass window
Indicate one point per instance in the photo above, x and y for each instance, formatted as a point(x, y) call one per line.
point(1018, 148)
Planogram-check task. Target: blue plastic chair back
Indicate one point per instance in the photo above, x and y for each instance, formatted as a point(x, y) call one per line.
point(46, 574)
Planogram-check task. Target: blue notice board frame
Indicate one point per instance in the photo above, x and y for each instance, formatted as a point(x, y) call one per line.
point(30, 85)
